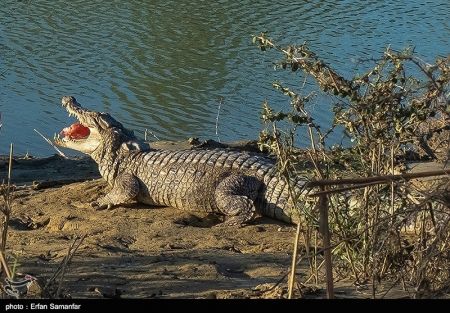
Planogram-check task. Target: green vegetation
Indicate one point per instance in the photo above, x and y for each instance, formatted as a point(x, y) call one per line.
point(395, 113)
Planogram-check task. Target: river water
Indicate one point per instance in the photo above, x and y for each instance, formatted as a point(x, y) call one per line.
point(166, 65)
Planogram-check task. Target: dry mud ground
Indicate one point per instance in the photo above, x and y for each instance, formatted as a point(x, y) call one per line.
point(140, 251)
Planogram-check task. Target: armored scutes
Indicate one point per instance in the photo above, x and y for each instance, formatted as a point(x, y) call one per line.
point(232, 183)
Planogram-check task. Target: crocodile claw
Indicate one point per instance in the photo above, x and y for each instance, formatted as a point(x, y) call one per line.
point(232, 222)
point(99, 206)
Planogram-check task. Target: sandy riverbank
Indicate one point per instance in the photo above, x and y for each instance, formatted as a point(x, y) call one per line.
point(140, 251)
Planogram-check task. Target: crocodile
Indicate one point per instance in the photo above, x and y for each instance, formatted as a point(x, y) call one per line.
point(235, 184)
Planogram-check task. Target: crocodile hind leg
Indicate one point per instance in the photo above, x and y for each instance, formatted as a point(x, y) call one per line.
point(126, 188)
point(235, 196)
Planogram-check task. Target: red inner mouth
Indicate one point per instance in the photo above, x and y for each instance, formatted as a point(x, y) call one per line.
point(75, 131)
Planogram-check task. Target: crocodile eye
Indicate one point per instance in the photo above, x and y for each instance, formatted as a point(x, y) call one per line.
point(107, 121)
point(104, 122)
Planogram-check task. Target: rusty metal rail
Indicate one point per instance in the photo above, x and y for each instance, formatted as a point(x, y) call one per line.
point(324, 228)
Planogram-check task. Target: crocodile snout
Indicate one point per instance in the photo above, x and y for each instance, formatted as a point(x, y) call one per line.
point(68, 100)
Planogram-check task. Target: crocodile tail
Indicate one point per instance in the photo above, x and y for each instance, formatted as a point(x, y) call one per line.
point(279, 197)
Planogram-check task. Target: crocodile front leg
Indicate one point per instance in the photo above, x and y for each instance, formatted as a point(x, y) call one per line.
point(235, 196)
point(126, 188)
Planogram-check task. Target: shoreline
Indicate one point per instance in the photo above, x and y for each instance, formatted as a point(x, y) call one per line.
point(29, 169)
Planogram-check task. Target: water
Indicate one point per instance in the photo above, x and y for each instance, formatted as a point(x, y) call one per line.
point(165, 65)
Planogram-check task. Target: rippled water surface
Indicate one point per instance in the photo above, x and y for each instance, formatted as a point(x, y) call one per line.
point(165, 65)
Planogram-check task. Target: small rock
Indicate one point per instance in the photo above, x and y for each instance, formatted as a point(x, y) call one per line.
point(40, 223)
point(48, 256)
point(172, 246)
point(232, 249)
point(126, 241)
point(108, 292)
point(21, 223)
point(34, 290)
point(193, 141)
point(211, 295)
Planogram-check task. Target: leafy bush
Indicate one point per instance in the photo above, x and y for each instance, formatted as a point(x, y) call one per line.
point(396, 112)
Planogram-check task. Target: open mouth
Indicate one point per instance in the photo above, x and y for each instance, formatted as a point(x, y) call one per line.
point(76, 131)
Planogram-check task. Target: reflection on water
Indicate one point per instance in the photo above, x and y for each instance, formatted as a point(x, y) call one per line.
point(164, 65)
